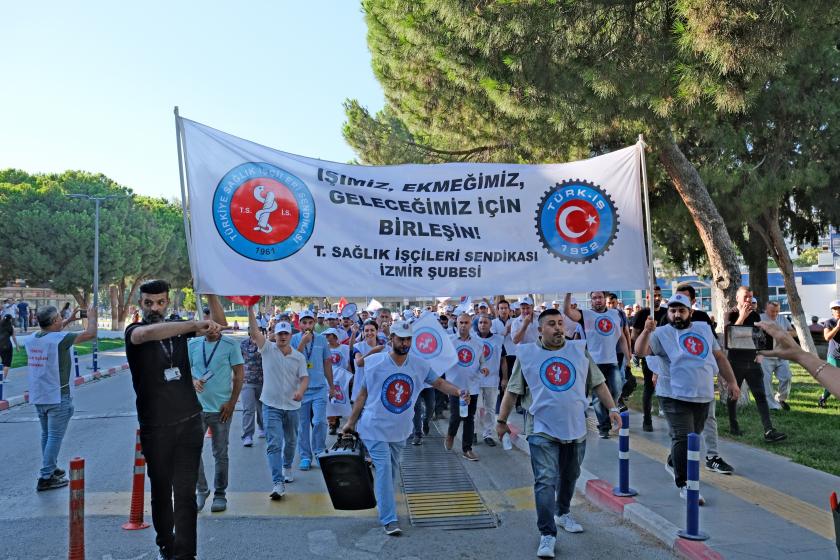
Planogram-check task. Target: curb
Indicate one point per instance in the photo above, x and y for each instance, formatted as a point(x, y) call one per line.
point(81, 380)
point(599, 492)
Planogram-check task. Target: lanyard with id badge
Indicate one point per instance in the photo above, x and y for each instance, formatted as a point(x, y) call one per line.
point(172, 373)
point(207, 373)
point(308, 349)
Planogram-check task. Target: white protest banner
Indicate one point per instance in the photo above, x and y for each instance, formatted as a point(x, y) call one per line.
point(431, 342)
point(265, 221)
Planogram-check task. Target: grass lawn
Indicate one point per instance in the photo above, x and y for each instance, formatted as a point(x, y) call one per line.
point(19, 357)
point(813, 437)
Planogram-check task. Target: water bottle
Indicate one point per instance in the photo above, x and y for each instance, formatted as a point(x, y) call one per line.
point(507, 445)
point(464, 409)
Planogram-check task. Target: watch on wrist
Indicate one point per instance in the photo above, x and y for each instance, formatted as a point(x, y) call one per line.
point(614, 409)
point(500, 421)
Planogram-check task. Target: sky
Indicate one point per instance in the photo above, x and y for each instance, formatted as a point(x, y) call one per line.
point(92, 85)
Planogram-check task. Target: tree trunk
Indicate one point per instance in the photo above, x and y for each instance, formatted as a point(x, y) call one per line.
point(726, 276)
point(114, 294)
point(778, 248)
point(754, 249)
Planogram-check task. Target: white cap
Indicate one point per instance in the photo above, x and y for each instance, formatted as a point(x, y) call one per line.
point(333, 332)
point(407, 314)
point(833, 304)
point(401, 329)
point(449, 309)
point(527, 300)
point(514, 305)
point(483, 304)
point(754, 300)
point(283, 327)
point(679, 299)
point(322, 315)
point(555, 302)
point(573, 300)
point(306, 314)
point(332, 315)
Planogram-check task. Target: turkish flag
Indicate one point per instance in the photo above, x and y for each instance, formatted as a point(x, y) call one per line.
point(341, 303)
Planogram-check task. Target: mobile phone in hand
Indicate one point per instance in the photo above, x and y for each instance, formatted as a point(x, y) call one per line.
point(83, 314)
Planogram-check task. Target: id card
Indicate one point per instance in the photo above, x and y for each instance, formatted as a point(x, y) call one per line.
point(309, 365)
point(172, 374)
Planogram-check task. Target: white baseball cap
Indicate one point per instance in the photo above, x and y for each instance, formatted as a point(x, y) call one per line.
point(484, 305)
point(449, 309)
point(333, 332)
point(514, 305)
point(528, 300)
point(332, 315)
point(401, 329)
point(283, 327)
point(754, 300)
point(407, 314)
point(555, 302)
point(306, 314)
point(679, 299)
point(833, 304)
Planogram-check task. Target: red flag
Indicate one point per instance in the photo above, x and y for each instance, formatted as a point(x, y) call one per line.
point(341, 303)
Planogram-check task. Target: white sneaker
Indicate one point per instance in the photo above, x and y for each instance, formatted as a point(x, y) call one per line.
point(568, 523)
point(287, 475)
point(684, 496)
point(260, 433)
point(278, 491)
point(546, 549)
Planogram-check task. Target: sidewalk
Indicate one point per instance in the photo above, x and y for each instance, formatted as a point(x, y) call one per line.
point(17, 384)
point(769, 508)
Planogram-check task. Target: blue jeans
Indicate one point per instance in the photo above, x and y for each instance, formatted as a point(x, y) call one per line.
point(314, 406)
point(386, 465)
point(220, 440)
point(54, 419)
point(424, 409)
point(556, 469)
point(280, 436)
point(614, 383)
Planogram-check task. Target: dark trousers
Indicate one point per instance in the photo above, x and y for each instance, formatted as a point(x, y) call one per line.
point(683, 418)
point(648, 390)
point(751, 371)
point(424, 409)
point(172, 454)
point(469, 422)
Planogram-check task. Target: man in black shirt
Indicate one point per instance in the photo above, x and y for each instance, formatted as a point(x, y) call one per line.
point(169, 414)
point(659, 313)
point(745, 367)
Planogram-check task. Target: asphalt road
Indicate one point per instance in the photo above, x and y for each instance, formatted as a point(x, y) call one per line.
point(303, 525)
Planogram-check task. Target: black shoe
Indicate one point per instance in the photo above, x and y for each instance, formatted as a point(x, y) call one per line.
point(51, 483)
point(785, 406)
point(821, 403)
point(773, 435)
point(59, 473)
point(333, 430)
point(161, 555)
point(425, 427)
point(718, 465)
point(735, 430)
point(489, 442)
point(603, 434)
point(647, 425)
point(417, 440)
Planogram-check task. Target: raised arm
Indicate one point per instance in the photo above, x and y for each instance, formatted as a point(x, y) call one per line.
point(161, 331)
point(217, 312)
point(573, 314)
point(642, 346)
point(90, 331)
point(254, 328)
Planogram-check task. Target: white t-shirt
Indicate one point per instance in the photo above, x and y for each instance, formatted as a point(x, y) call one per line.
point(282, 374)
point(392, 392)
point(687, 362)
point(531, 333)
point(603, 331)
point(492, 347)
point(497, 326)
point(340, 405)
point(466, 373)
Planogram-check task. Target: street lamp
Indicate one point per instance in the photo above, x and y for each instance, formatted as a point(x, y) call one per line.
point(97, 202)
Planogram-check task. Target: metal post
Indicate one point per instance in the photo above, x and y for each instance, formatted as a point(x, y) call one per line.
point(97, 202)
point(623, 488)
point(692, 503)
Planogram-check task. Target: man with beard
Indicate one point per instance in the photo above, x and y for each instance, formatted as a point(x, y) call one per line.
point(392, 384)
point(690, 356)
point(169, 414)
point(639, 318)
point(604, 335)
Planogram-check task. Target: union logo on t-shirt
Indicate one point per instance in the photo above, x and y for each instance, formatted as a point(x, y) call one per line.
point(557, 374)
point(427, 343)
point(335, 358)
point(488, 350)
point(466, 356)
point(604, 326)
point(694, 345)
point(339, 395)
point(396, 393)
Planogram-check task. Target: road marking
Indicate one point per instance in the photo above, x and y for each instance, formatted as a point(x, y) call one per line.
point(778, 503)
